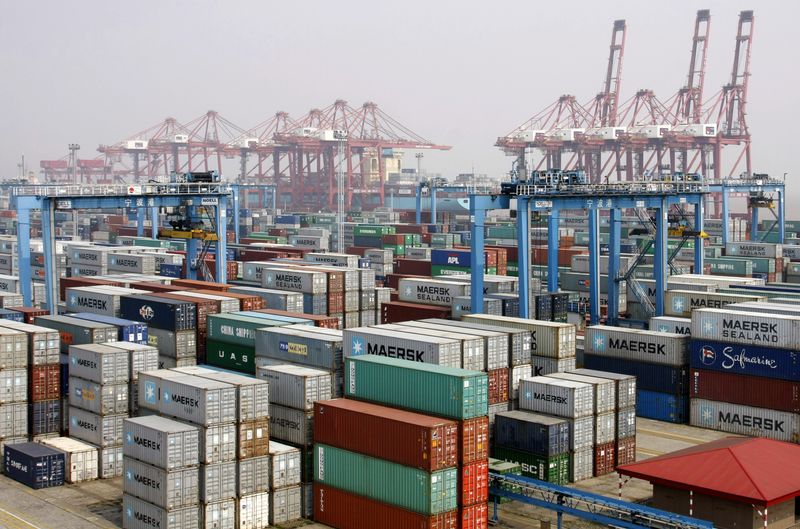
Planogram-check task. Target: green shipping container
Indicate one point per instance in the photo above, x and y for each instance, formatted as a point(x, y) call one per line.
point(177, 246)
point(231, 356)
point(501, 232)
point(150, 243)
point(763, 265)
point(373, 230)
point(727, 266)
point(237, 329)
point(426, 388)
point(554, 469)
point(444, 270)
point(506, 468)
point(398, 249)
point(378, 479)
point(712, 252)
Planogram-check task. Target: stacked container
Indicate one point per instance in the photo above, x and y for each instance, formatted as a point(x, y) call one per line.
point(80, 459)
point(171, 326)
point(285, 472)
point(14, 391)
point(141, 357)
point(161, 487)
point(539, 444)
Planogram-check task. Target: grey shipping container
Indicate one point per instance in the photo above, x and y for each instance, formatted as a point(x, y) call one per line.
point(218, 515)
point(13, 385)
point(218, 481)
point(131, 262)
point(162, 442)
point(180, 344)
point(275, 299)
point(635, 344)
point(463, 305)
point(582, 433)
point(285, 505)
point(515, 374)
point(253, 511)
point(431, 291)
point(296, 386)
point(217, 443)
point(109, 462)
point(105, 399)
point(99, 363)
point(166, 362)
point(13, 349)
point(405, 345)
point(556, 340)
point(139, 514)
point(582, 464)
point(97, 299)
point(141, 357)
point(74, 331)
point(626, 423)
point(294, 280)
point(563, 398)
point(671, 324)
point(96, 429)
point(290, 425)
point(519, 339)
point(252, 395)
point(168, 489)
point(13, 420)
point(307, 346)
point(253, 475)
point(495, 344)
point(43, 343)
point(284, 465)
point(605, 390)
point(626, 385)
point(473, 353)
point(745, 420)
point(197, 400)
point(543, 365)
point(681, 303)
point(770, 330)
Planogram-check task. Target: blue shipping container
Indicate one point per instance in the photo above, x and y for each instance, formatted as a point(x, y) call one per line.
point(162, 313)
point(12, 315)
point(451, 257)
point(367, 241)
point(63, 361)
point(532, 433)
point(287, 219)
point(44, 417)
point(745, 359)
point(35, 465)
point(171, 270)
point(662, 406)
point(364, 263)
point(129, 331)
point(650, 377)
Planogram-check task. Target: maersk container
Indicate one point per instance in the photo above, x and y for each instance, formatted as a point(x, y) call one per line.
point(745, 420)
point(403, 343)
point(252, 475)
point(473, 354)
point(13, 420)
point(237, 329)
point(198, 400)
point(543, 365)
point(139, 514)
point(554, 469)
point(285, 505)
point(80, 459)
point(515, 374)
point(495, 344)
point(166, 489)
point(605, 390)
point(294, 280)
point(681, 303)
point(217, 482)
point(99, 299)
point(13, 385)
point(99, 363)
point(274, 299)
point(555, 340)
point(650, 377)
point(334, 259)
point(531, 432)
point(519, 340)
point(625, 385)
point(462, 305)
point(162, 313)
point(291, 425)
point(753, 249)
point(635, 344)
point(312, 347)
point(161, 442)
point(252, 395)
point(284, 465)
point(98, 430)
point(771, 330)
point(431, 291)
point(775, 394)
point(407, 487)
point(744, 359)
point(296, 386)
point(671, 324)
point(106, 399)
point(74, 331)
point(563, 398)
point(662, 406)
point(141, 357)
point(137, 263)
point(129, 331)
point(444, 391)
point(174, 344)
point(771, 307)
point(34, 465)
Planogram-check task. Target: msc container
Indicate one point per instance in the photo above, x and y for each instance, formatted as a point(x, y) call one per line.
point(296, 386)
point(682, 302)
point(635, 344)
point(252, 475)
point(198, 400)
point(141, 357)
point(99, 363)
point(448, 392)
point(400, 436)
point(531, 432)
point(106, 399)
point(217, 482)
point(44, 417)
point(651, 377)
point(76, 331)
point(771, 330)
point(284, 465)
point(162, 313)
point(605, 390)
point(625, 385)
point(662, 406)
point(671, 324)
point(407, 487)
point(543, 365)
point(285, 505)
point(555, 340)
point(14, 385)
point(554, 469)
point(313, 347)
point(180, 344)
point(745, 420)
point(98, 430)
point(161, 442)
point(403, 344)
point(252, 395)
point(34, 465)
point(519, 340)
point(13, 349)
point(252, 511)
point(253, 438)
point(291, 425)
point(431, 291)
point(80, 459)
point(563, 398)
point(166, 489)
point(129, 331)
point(745, 359)
point(139, 514)
point(773, 394)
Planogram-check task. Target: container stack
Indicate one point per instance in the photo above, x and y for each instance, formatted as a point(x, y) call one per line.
point(141, 357)
point(14, 391)
point(538, 444)
point(99, 377)
point(745, 375)
point(203, 309)
point(80, 459)
point(284, 481)
point(161, 487)
point(34, 465)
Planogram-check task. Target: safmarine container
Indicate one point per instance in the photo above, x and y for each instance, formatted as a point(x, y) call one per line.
point(431, 291)
point(99, 363)
point(402, 343)
point(768, 330)
point(99, 430)
point(106, 399)
point(407, 438)
point(552, 339)
point(563, 398)
point(671, 324)
point(625, 385)
point(532, 432)
point(14, 385)
point(198, 400)
point(139, 514)
point(313, 347)
point(162, 442)
point(773, 394)
point(141, 357)
point(605, 390)
point(252, 395)
point(296, 386)
point(284, 465)
point(635, 344)
point(407, 487)
point(290, 425)
point(745, 359)
point(180, 344)
point(34, 465)
point(651, 377)
point(554, 469)
point(166, 489)
point(162, 313)
point(745, 420)
point(544, 365)
point(662, 406)
point(217, 482)
point(129, 331)
point(80, 459)
point(252, 475)
point(448, 392)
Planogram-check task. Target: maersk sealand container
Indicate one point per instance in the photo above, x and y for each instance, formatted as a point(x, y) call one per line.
point(767, 330)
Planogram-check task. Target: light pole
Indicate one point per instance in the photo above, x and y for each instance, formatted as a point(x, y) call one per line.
point(341, 137)
point(419, 157)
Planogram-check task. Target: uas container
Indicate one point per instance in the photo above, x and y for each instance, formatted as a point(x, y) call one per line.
point(80, 459)
point(532, 432)
point(447, 392)
point(168, 489)
point(33, 464)
point(563, 398)
point(296, 386)
point(162, 442)
point(139, 514)
point(407, 487)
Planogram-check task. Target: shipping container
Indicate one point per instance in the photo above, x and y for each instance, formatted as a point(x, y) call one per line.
point(14, 384)
point(129, 331)
point(662, 406)
point(13, 349)
point(218, 443)
point(651, 377)
point(166, 489)
point(671, 324)
point(162, 313)
point(771, 330)
point(473, 483)
point(626, 423)
point(745, 359)
point(495, 344)
point(290, 425)
point(44, 382)
point(605, 390)
point(285, 505)
point(472, 353)
point(74, 331)
point(43, 417)
point(106, 399)
point(297, 386)
point(554, 469)
point(252, 395)
point(43, 343)
point(399, 311)
point(431, 291)
point(34, 465)
point(397, 343)
point(80, 459)
point(563, 398)
point(625, 451)
point(681, 303)
point(753, 249)
point(284, 465)
point(604, 458)
point(498, 385)
point(774, 394)
point(581, 464)
point(200, 401)
point(252, 475)
point(101, 299)
point(519, 340)
point(141, 357)
point(551, 339)
point(237, 329)
point(274, 299)
point(253, 511)
point(173, 344)
point(531, 432)
point(745, 420)
point(217, 481)
point(99, 363)
point(161, 442)
point(638, 345)
point(98, 430)
point(139, 514)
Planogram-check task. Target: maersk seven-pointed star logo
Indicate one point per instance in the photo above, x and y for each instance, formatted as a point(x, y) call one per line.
point(663, 328)
point(150, 392)
point(709, 326)
point(678, 303)
point(129, 438)
point(73, 299)
point(600, 343)
point(408, 291)
point(269, 279)
point(358, 347)
point(706, 414)
point(129, 512)
point(128, 475)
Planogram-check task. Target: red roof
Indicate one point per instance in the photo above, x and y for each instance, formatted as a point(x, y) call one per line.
point(741, 469)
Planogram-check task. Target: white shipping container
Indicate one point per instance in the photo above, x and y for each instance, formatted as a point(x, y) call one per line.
point(731, 326)
point(91, 255)
point(290, 425)
point(284, 465)
point(605, 391)
point(252, 395)
point(167, 362)
point(671, 324)
point(161, 442)
point(495, 344)
point(681, 303)
point(582, 466)
point(141, 357)
point(580, 263)
point(473, 356)
point(515, 375)
point(285, 505)
point(635, 344)
point(9, 283)
point(745, 420)
point(563, 398)
point(110, 462)
point(771, 307)
point(103, 399)
point(99, 363)
point(137, 263)
point(139, 514)
point(103, 431)
point(581, 433)
point(295, 280)
point(168, 489)
point(218, 482)
point(218, 515)
point(253, 511)
point(717, 281)
point(252, 475)
point(555, 340)
point(80, 459)
point(625, 385)
point(626, 423)
point(334, 259)
point(543, 365)
point(753, 249)
point(197, 400)
point(13, 385)
point(217, 443)
point(296, 386)
point(13, 349)
point(404, 345)
point(431, 291)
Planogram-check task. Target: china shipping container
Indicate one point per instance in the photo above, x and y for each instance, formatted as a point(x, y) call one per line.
point(161, 442)
point(34, 465)
point(745, 420)
point(139, 514)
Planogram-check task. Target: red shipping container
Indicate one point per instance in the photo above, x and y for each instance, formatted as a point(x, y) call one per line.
point(604, 457)
point(357, 250)
point(30, 313)
point(475, 516)
point(626, 451)
point(246, 254)
point(404, 437)
point(410, 228)
point(68, 282)
point(412, 266)
point(343, 510)
point(246, 301)
point(44, 382)
point(326, 322)
point(770, 393)
point(278, 232)
point(473, 483)
point(204, 285)
point(335, 302)
point(393, 239)
point(400, 311)
point(473, 440)
point(232, 268)
point(498, 385)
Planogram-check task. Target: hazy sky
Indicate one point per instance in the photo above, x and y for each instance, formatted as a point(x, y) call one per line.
point(460, 73)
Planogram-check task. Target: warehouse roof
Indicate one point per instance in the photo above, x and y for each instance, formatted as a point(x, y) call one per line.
point(742, 469)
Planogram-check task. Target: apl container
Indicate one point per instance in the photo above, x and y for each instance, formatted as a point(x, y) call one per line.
point(403, 343)
point(161, 442)
point(296, 386)
point(99, 363)
point(284, 465)
point(252, 475)
point(200, 401)
point(218, 482)
point(106, 399)
point(407, 487)
point(531, 432)
point(768, 330)
point(443, 391)
point(555, 340)
point(745, 420)
point(34, 465)
point(139, 514)
point(563, 398)
point(635, 344)
point(80, 459)
point(166, 489)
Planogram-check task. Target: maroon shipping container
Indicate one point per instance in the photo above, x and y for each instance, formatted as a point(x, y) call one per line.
point(29, 313)
point(404, 437)
point(204, 308)
point(498, 385)
point(393, 280)
point(232, 268)
point(204, 285)
point(246, 301)
point(278, 232)
point(246, 255)
point(44, 382)
point(253, 439)
point(473, 483)
point(418, 229)
point(326, 322)
point(604, 457)
point(393, 239)
point(473, 440)
point(417, 267)
point(626, 451)
point(335, 302)
point(357, 250)
point(68, 282)
point(400, 311)
point(770, 393)
point(343, 510)
point(152, 286)
point(475, 516)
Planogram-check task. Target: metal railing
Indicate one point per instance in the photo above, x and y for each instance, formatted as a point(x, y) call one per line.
point(641, 295)
point(617, 189)
point(117, 190)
